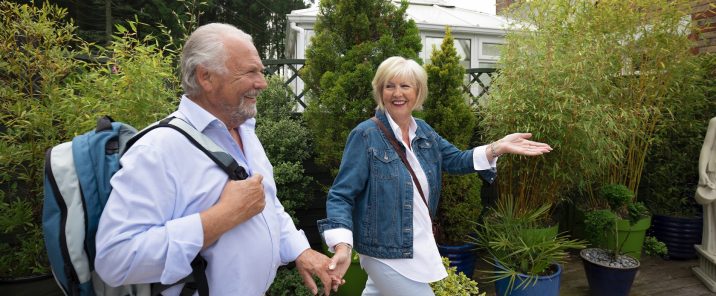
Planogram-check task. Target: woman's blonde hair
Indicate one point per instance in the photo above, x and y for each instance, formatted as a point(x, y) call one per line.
point(400, 67)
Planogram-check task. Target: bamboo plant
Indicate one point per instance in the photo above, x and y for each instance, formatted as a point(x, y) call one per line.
point(592, 79)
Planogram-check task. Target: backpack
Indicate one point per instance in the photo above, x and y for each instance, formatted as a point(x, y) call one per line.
point(76, 188)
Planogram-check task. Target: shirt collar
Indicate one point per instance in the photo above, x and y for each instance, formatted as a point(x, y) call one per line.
point(201, 119)
point(396, 129)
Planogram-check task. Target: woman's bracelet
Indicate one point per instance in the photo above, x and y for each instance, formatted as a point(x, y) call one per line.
point(492, 150)
point(350, 248)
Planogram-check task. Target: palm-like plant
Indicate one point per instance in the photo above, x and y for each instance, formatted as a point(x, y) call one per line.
point(511, 238)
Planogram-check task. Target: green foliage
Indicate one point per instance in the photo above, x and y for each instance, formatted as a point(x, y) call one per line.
point(599, 223)
point(131, 79)
point(654, 247)
point(49, 97)
point(455, 283)
point(265, 21)
point(447, 111)
point(508, 235)
point(460, 206)
point(34, 46)
point(616, 195)
point(592, 79)
point(670, 176)
point(352, 38)
point(172, 21)
point(446, 108)
point(288, 283)
point(286, 142)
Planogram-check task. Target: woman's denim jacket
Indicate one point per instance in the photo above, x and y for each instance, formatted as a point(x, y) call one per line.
point(373, 193)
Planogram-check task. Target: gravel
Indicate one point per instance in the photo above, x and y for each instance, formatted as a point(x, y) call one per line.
point(604, 258)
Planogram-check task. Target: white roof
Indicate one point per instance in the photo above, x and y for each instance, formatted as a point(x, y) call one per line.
point(430, 15)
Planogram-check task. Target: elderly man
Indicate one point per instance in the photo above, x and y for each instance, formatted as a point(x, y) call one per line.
point(170, 202)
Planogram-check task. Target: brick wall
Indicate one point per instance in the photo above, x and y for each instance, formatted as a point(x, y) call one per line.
point(704, 17)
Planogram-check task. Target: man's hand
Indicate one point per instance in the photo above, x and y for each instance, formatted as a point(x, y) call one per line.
point(311, 263)
point(244, 198)
point(239, 201)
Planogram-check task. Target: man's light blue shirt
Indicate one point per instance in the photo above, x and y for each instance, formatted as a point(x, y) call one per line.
point(150, 230)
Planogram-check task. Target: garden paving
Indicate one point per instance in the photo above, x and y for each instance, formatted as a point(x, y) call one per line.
point(656, 277)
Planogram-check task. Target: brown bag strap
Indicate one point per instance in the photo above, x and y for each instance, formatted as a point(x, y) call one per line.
point(401, 153)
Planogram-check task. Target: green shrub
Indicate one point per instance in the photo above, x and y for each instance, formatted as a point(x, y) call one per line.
point(35, 46)
point(598, 223)
point(49, 96)
point(654, 247)
point(669, 180)
point(616, 195)
point(592, 79)
point(352, 38)
point(447, 111)
point(287, 144)
point(455, 283)
point(289, 283)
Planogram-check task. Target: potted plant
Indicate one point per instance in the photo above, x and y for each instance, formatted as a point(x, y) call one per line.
point(618, 233)
point(456, 283)
point(526, 262)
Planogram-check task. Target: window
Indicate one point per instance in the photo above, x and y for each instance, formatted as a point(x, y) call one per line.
point(491, 49)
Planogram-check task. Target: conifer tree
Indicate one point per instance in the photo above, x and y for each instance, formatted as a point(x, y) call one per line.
point(447, 111)
point(352, 38)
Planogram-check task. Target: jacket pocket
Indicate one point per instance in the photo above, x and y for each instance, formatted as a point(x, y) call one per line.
point(384, 163)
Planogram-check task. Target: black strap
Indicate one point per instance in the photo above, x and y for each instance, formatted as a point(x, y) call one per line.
point(197, 280)
point(221, 158)
point(198, 271)
point(401, 153)
point(104, 123)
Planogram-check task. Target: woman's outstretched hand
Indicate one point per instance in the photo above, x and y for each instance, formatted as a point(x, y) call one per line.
point(518, 143)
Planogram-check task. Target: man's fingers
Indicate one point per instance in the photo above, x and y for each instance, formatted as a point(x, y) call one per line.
point(256, 177)
point(308, 281)
point(327, 282)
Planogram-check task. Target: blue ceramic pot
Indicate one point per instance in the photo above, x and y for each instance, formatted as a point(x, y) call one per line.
point(463, 257)
point(547, 285)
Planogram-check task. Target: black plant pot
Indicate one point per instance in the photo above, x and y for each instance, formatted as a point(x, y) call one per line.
point(608, 281)
point(680, 234)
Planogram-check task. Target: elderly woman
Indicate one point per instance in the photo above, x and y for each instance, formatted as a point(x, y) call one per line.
point(382, 203)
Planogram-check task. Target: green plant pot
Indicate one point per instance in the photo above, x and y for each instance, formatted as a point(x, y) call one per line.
point(631, 237)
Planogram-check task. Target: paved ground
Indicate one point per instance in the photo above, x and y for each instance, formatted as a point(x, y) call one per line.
point(656, 277)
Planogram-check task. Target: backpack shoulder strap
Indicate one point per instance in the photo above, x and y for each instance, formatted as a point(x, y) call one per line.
point(200, 141)
point(197, 280)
